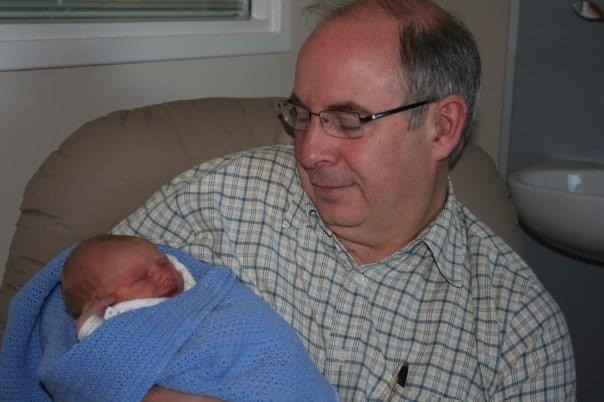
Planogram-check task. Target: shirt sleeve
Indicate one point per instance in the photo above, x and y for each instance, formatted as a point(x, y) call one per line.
point(537, 355)
point(187, 214)
point(161, 218)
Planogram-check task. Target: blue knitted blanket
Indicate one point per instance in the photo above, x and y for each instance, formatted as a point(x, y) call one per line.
point(217, 339)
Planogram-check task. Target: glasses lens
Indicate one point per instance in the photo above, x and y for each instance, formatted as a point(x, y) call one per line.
point(293, 115)
point(342, 124)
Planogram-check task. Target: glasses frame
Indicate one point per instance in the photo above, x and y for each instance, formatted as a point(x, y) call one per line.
point(291, 130)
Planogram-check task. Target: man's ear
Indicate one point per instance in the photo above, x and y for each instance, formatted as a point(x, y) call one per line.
point(448, 117)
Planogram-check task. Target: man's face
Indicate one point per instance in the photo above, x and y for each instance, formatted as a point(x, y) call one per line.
point(365, 189)
point(137, 271)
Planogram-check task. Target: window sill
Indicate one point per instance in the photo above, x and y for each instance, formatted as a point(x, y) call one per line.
point(43, 45)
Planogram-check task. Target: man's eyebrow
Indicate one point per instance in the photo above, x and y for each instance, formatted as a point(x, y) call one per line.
point(348, 106)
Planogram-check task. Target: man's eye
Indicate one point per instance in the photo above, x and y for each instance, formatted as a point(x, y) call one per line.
point(346, 122)
point(348, 126)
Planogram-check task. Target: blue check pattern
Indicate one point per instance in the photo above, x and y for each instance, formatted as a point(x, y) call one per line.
point(456, 306)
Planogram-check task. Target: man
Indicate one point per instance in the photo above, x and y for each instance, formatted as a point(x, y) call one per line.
point(355, 236)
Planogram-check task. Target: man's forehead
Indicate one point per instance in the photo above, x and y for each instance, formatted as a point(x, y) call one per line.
point(348, 58)
point(325, 79)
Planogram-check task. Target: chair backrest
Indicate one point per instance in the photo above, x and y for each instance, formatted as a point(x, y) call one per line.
point(108, 167)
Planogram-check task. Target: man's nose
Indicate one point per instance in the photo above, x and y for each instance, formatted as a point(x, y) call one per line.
point(314, 147)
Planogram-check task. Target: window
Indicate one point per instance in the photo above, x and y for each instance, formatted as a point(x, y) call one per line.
point(26, 44)
point(57, 10)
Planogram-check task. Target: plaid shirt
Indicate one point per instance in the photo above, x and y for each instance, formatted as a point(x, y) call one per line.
point(456, 307)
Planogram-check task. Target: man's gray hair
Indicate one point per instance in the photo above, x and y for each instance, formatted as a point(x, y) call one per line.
point(438, 53)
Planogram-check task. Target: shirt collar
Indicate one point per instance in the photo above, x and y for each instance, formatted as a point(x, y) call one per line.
point(447, 241)
point(445, 237)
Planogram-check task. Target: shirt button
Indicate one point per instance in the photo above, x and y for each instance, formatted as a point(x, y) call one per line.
point(360, 280)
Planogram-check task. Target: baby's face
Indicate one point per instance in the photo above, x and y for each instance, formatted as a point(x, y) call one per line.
point(140, 271)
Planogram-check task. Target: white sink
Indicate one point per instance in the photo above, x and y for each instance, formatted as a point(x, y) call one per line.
point(562, 203)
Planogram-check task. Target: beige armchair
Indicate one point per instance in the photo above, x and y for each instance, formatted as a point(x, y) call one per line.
point(109, 166)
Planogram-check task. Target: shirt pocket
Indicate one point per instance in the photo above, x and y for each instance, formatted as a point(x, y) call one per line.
point(415, 394)
point(419, 386)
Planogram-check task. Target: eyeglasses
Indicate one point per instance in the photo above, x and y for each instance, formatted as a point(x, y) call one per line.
point(336, 123)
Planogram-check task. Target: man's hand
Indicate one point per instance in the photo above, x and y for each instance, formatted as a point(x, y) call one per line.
point(158, 394)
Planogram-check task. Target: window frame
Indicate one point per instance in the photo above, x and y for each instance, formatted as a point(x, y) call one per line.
point(42, 45)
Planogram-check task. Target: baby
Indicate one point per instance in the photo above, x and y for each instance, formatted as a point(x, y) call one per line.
point(207, 334)
point(108, 274)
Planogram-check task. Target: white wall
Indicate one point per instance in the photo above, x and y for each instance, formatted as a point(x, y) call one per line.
point(489, 21)
point(557, 105)
point(39, 108)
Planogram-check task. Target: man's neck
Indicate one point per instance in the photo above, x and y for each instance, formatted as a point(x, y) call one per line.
point(367, 249)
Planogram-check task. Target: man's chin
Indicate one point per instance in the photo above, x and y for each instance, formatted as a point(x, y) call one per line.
point(338, 215)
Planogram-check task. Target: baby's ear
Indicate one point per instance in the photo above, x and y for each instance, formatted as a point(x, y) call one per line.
point(98, 305)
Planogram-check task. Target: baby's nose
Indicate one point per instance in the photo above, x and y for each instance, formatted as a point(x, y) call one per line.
point(161, 275)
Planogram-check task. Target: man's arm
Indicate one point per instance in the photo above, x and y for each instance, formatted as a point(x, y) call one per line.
point(159, 394)
point(537, 354)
